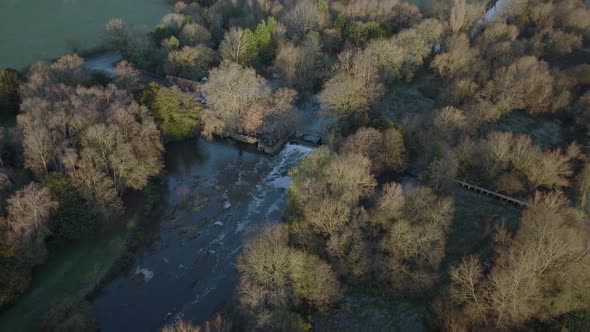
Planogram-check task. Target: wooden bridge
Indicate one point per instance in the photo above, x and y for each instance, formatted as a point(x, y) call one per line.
point(494, 194)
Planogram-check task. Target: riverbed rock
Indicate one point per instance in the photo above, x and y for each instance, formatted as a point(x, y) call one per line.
point(200, 203)
point(174, 222)
point(312, 138)
point(183, 204)
point(145, 273)
point(191, 231)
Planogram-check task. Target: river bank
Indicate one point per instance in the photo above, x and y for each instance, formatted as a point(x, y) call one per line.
point(69, 271)
point(77, 269)
point(80, 270)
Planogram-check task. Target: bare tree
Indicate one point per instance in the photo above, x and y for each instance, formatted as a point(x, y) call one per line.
point(393, 60)
point(348, 177)
point(29, 210)
point(459, 58)
point(451, 124)
point(313, 280)
point(243, 103)
point(303, 18)
point(238, 46)
point(497, 44)
point(275, 276)
point(526, 84)
point(355, 87)
point(231, 88)
point(190, 62)
point(395, 14)
point(464, 289)
point(300, 66)
point(554, 42)
point(457, 17)
point(173, 21)
point(128, 77)
point(415, 224)
point(10, 82)
point(328, 215)
point(117, 35)
point(583, 187)
point(99, 136)
point(537, 272)
point(385, 150)
point(419, 40)
point(216, 324)
point(549, 168)
point(95, 185)
point(194, 34)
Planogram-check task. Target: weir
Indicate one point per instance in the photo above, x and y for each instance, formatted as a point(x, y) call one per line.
point(106, 64)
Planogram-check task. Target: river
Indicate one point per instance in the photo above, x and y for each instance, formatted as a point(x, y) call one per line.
point(34, 30)
point(214, 195)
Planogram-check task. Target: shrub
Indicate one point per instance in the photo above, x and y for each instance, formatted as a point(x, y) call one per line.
point(386, 149)
point(15, 278)
point(277, 277)
point(286, 321)
point(510, 183)
point(242, 102)
point(9, 86)
point(355, 87)
point(190, 62)
point(537, 273)
point(152, 197)
point(217, 324)
point(526, 84)
point(67, 315)
point(74, 218)
point(193, 34)
point(178, 114)
point(361, 32)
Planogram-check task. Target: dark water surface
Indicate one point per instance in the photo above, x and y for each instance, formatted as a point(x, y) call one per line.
point(215, 195)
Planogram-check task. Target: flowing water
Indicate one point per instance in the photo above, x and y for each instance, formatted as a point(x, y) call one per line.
point(33, 30)
point(215, 194)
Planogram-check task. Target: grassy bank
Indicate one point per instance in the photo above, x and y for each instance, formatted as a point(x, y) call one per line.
point(78, 270)
point(69, 271)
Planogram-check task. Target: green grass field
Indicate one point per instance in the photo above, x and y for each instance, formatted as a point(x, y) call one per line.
point(476, 218)
point(544, 132)
point(70, 270)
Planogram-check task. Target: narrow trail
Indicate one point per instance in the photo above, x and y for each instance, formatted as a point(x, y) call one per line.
point(106, 64)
